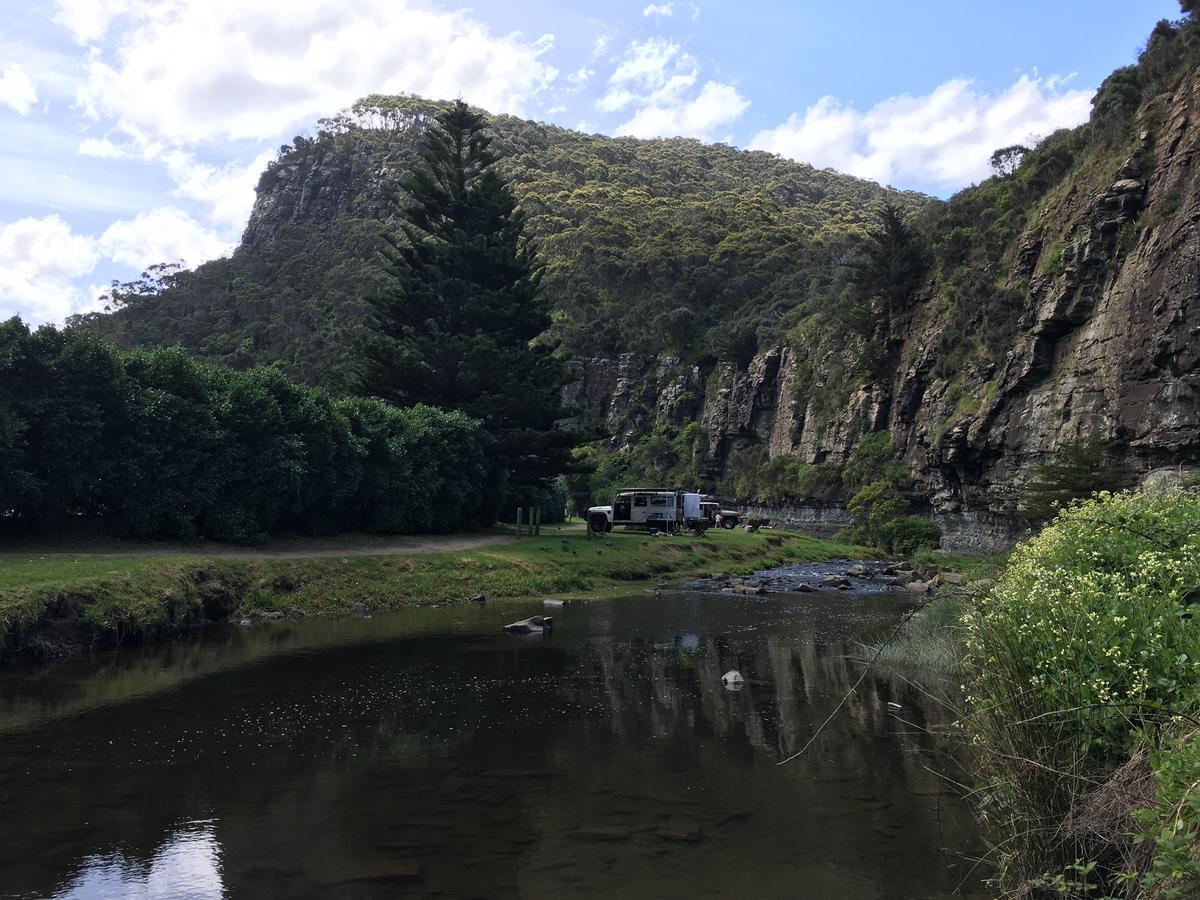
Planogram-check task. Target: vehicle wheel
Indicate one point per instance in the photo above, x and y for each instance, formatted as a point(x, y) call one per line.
point(598, 523)
point(729, 524)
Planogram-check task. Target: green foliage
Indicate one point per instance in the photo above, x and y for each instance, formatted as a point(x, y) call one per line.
point(879, 510)
point(1172, 824)
point(456, 327)
point(1084, 649)
point(894, 261)
point(787, 477)
point(155, 444)
point(1079, 469)
point(647, 245)
point(905, 535)
point(874, 459)
point(666, 457)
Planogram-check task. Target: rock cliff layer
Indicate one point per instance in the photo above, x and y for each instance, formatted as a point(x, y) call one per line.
point(1108, 346)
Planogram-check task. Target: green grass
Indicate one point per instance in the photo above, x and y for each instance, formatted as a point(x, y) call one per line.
point(975, 566)
point(930, 645)
point(54, 603)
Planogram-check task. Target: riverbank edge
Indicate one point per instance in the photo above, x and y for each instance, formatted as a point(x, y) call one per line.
point(123, 600)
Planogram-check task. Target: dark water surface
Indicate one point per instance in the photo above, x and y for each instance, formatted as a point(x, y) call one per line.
point(425, 753)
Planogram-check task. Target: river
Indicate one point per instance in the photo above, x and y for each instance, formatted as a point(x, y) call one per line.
point(427, 753)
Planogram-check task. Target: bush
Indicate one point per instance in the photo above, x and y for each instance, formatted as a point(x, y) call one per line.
point(1084, 650)
point(154, 444)
point(906, 535)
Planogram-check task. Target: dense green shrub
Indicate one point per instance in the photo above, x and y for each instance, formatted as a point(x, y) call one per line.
point(1085, 650)
point(905, 535)
point(155, 444)
point(879, 510)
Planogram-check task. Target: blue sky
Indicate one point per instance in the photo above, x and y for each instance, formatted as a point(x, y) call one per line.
point(135, 129)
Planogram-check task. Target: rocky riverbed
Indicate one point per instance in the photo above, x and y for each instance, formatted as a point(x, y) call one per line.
point(851, 575)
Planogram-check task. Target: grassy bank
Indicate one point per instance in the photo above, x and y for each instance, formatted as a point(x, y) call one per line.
point(53, 604)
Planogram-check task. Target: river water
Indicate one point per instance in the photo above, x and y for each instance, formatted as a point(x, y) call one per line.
point(427, 753)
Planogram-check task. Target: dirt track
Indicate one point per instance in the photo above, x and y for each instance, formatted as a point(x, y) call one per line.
point(277, 548)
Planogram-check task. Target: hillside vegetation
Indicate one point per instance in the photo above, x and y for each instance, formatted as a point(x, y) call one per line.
point(649, 245)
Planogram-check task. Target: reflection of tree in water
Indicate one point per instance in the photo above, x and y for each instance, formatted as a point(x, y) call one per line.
point(489, 761)
point(670, 687)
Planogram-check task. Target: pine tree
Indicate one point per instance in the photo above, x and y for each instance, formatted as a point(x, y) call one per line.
point(458, 327)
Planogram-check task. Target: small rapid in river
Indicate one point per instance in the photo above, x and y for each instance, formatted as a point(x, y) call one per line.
point(427, 753)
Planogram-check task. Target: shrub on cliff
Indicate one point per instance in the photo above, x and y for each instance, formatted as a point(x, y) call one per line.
point(879, 509)
point(1085, 651)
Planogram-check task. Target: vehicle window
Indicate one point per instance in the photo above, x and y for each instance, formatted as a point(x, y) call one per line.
point(659, 501)
point(639, 501)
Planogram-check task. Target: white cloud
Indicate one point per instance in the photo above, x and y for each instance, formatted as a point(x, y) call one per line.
point(163, 234)
point(656, 78)
point(202, 70)
point(101, 148)
point(661, 9)
point(39, 261)
point(17, 90)
point(581, 75)
point(714, 107)
point(943, 139)
point(227, 191)
point(88, 20)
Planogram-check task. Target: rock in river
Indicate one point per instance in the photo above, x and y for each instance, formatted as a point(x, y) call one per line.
point(532, 625)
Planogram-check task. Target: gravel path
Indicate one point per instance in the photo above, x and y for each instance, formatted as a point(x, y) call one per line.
point(277, 548)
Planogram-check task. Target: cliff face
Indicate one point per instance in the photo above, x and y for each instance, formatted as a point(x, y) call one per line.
point(1108, 346)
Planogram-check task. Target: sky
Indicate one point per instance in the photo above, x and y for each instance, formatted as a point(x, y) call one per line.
point(134, 131)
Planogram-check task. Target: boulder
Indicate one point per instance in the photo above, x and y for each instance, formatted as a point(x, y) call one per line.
point(903, 578)
point(803, 588)
point(836, 581)
point(274, 614)
point(680, 832)
point(532, 625)
point(753, 589)
point(295, 613)
point(361, 609)
point(953, 578)
point(858, 572)
point(247, 622)
point(479, 598)
point(733, 676)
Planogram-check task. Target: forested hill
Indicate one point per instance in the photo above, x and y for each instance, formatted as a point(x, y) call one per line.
point(652, 246)
point(741, 322)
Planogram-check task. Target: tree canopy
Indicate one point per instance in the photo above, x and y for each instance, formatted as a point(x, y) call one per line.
point(457, 324)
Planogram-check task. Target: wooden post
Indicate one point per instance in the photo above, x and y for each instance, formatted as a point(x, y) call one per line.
point(537, 521)
point(519, 511)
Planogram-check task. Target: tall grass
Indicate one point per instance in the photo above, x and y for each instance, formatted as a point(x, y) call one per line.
point(930, 645)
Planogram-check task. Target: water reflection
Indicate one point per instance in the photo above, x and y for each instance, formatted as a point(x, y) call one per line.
point(187, 865)
point(428, 753)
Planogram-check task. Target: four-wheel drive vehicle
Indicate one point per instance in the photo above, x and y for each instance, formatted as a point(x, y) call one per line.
point(659, 509)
